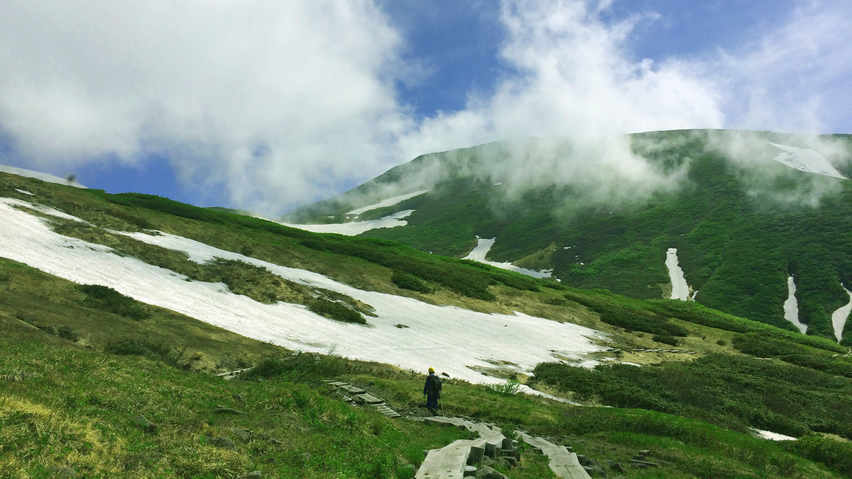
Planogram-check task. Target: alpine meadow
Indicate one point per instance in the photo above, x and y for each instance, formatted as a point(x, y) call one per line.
point(657, 332)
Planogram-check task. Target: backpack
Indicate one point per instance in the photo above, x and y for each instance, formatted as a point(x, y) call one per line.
point(435, 386)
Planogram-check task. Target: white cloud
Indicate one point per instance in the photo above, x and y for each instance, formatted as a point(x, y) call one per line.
point(288, 102)
point(795, 77)
point(280, 101)
point(570, 75)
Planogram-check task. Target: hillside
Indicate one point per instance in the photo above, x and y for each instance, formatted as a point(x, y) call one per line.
point(745, 211)
point(116, 309)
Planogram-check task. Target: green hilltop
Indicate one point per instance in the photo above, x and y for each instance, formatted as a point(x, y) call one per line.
point(96, 384)
point(741, 222)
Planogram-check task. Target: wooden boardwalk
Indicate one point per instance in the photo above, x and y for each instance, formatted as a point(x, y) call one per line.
point(449, 462)
point(563, 463)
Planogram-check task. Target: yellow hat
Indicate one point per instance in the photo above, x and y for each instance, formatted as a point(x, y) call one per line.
point(431, 370)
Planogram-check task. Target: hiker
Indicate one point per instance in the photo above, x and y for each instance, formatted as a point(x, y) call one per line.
point(432, 391)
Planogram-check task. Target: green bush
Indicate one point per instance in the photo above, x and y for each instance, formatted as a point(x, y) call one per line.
point(407, 281)
point(110, 300)
point(335, 311)
point(666, 339)
point(300, 367)
point(509, 388)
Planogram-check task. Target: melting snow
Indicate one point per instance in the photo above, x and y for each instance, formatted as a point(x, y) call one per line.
point(838, 318)
point(806, 160)
point(386, 203)
point(773, 436)
point(355, 228)
point(483, 246)
point(791, 306)
point(448, 338)
point(25, 192)
point(680, 290)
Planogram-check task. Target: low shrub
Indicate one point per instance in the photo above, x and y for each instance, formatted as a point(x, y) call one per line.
point(297, 368)
point(335, 311)
point(110, 300)
point(407, 281)
point(666, 339)
point(509, 388)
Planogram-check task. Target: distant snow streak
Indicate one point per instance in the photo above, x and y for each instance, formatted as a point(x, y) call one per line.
point(805, 160)
point(839, 317)
point(483, 246)
point(386, 203)
point(448, 338)
point(680, 290)
point(791, 306)
point(355, 228)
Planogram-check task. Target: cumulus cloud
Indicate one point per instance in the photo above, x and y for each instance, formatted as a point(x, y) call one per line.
point(280, 101)
point(570, 75)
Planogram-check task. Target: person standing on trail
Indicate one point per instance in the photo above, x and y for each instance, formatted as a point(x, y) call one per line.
point(432, 391)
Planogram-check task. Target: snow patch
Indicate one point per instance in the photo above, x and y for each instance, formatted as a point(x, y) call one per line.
point(451, 339)
point(680, 290)
point(355, 228)
point(839, 317)
point(791, 306)
point(39, 176)
point(483, 246)
point(805, 160)
point(773, 436)
point(24, 192)
point(386, 203)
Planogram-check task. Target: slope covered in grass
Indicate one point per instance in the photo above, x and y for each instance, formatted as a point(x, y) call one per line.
point(741, 222)
point(94, 380)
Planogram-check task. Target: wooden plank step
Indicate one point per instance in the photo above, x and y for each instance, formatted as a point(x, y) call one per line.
point(368, 399)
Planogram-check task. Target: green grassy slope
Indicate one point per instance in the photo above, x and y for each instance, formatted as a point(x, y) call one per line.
point(69, 399)
point(80, 364)
point(740, 221)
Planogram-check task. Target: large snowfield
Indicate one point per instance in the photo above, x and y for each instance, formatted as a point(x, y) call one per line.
point(451, 339)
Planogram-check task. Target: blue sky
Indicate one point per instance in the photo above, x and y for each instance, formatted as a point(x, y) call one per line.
point(265, 105)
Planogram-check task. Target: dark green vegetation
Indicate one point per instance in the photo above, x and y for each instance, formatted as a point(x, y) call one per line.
point(108, 299)
point(733, 392)
point(80, 364)
point(408, 281)
point(741, 222)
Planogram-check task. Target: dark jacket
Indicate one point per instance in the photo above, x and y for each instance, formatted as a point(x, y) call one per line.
point(426, 389)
